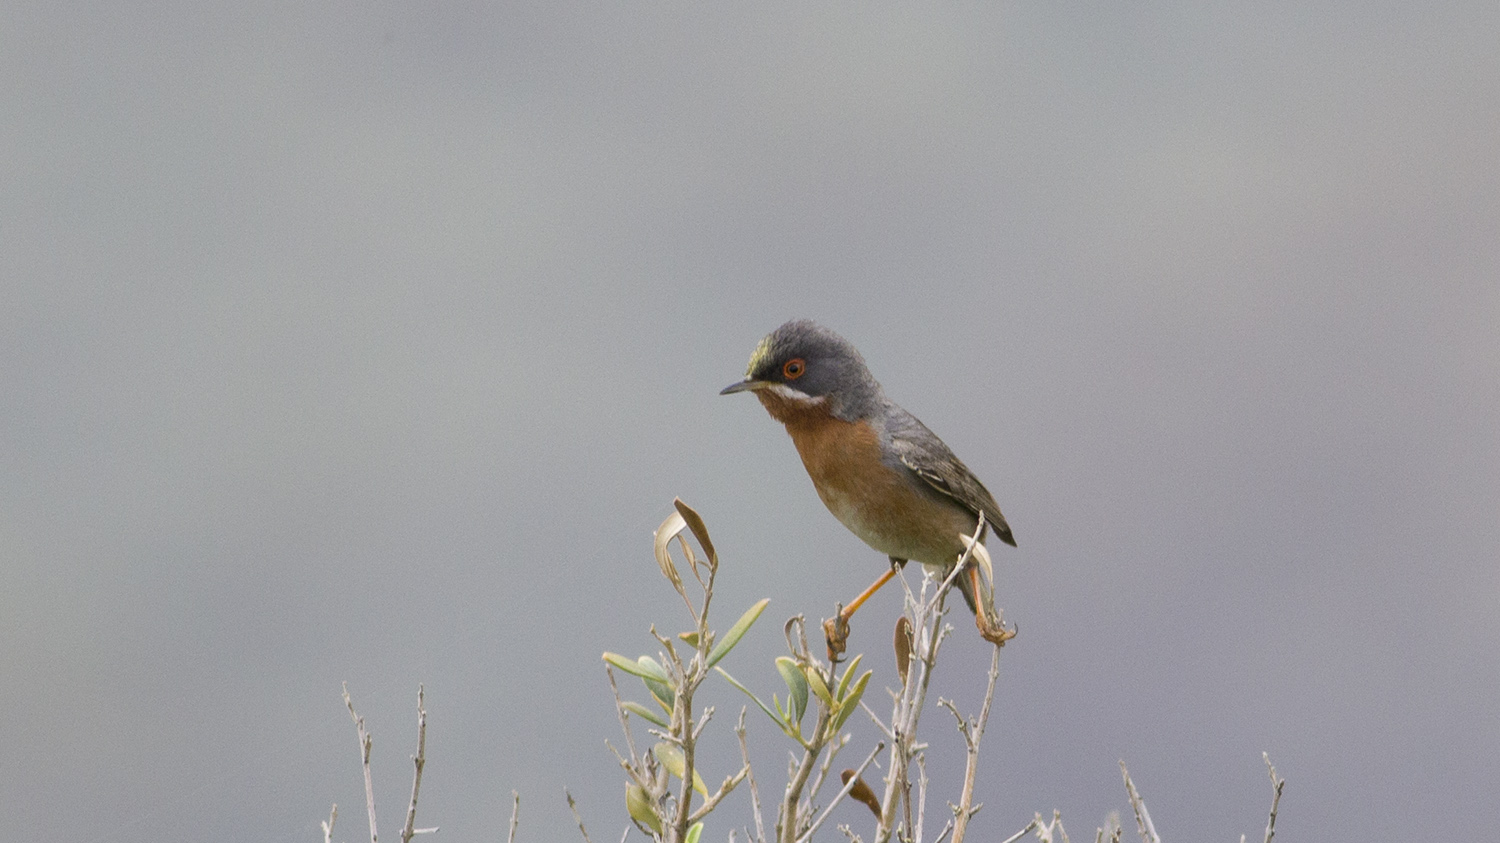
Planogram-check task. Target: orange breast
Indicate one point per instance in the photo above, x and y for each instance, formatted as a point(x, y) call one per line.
point(882, 506)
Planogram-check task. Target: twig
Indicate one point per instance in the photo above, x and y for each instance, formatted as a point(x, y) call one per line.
point(1276, 785)
point(365, 744)
point(1142, 816)
point(760, 828)
point(635, 758)
point(328, 826)
point(792, 798)
point(916, 831)
point(884, 730)
point(724, 790)
point(515, 815)
point(844, 791)
point(1025, 831)
point(573, 806)
point(973, 733)
point(418, 760)
point(833, 751)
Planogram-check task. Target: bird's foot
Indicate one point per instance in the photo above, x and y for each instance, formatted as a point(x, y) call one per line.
point(993, 629)
point(836, 632)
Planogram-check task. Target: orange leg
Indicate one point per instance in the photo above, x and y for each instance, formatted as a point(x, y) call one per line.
point(836, 629)
point(853, 607)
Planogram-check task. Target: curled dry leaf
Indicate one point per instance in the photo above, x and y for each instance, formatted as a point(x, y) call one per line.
point(903, 647)
point(664, 535)
point(700, 530)
point(862, 792)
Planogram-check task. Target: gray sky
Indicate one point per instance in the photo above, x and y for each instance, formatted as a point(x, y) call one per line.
point(370, 342)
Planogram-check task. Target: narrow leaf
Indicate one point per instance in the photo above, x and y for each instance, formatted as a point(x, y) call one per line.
point(672, 758)
point(638, 803)
point(851, 701)
point(694, 832)
point(652, 670)
point(661, 692)
point(736, 632)
point(815, 680)
point(849, 671)
point(796, 684)
point(735, 682)
point(644, 713)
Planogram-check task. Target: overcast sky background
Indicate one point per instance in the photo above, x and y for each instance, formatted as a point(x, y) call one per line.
point(370, 342)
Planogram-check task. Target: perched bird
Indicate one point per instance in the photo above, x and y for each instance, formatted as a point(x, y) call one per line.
point(878, 469)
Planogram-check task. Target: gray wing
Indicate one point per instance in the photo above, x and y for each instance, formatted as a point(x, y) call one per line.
point(925, 455)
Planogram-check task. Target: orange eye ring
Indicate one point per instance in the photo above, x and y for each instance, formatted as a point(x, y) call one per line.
point(794, 368)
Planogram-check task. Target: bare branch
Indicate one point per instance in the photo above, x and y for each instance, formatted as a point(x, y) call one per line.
point(366, 743)
point(760, 828)
point(515, 816)
point(418, 760)
point(1049, 832)
point(884, 730)
point(573, 806)
point(1142, 816)
point(973, 733)
point(833, 751)
point(1025, 831)
point(724, 790)
point(328, 826)
point(1276, 785)
point(635, 758)
point(916, 831)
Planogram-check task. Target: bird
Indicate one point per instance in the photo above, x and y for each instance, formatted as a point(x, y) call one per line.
point(877, 468)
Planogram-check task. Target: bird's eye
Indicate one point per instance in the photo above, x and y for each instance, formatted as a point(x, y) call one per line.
point(794, 368)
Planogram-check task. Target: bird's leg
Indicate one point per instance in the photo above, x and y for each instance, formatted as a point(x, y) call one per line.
point(836, 628)
point(991, 627)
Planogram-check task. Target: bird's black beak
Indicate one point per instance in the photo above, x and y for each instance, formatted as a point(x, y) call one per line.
point(746, 385)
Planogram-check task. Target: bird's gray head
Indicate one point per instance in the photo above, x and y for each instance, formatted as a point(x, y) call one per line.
point(803, 363)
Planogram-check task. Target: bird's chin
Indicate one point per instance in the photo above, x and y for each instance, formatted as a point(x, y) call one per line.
point(791, 406)
point(795, 396)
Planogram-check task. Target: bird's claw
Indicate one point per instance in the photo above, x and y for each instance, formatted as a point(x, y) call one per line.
point(993, 629)
point(836, 632)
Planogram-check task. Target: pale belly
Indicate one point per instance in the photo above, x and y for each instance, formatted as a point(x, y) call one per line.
point(909, 531)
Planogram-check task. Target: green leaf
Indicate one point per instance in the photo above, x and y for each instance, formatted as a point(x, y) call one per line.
point(644, 667)
point(671, 757)
point(694, 832)
point(652, 670)
point(851, 701)
point(627, 665)
point(690, 637)
point(644, 713)
point(753, 698)
point(661, 692)
point(819, 687)
point(638, 803)
point(796, 684)
point(848, 674)
point(736, 632)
